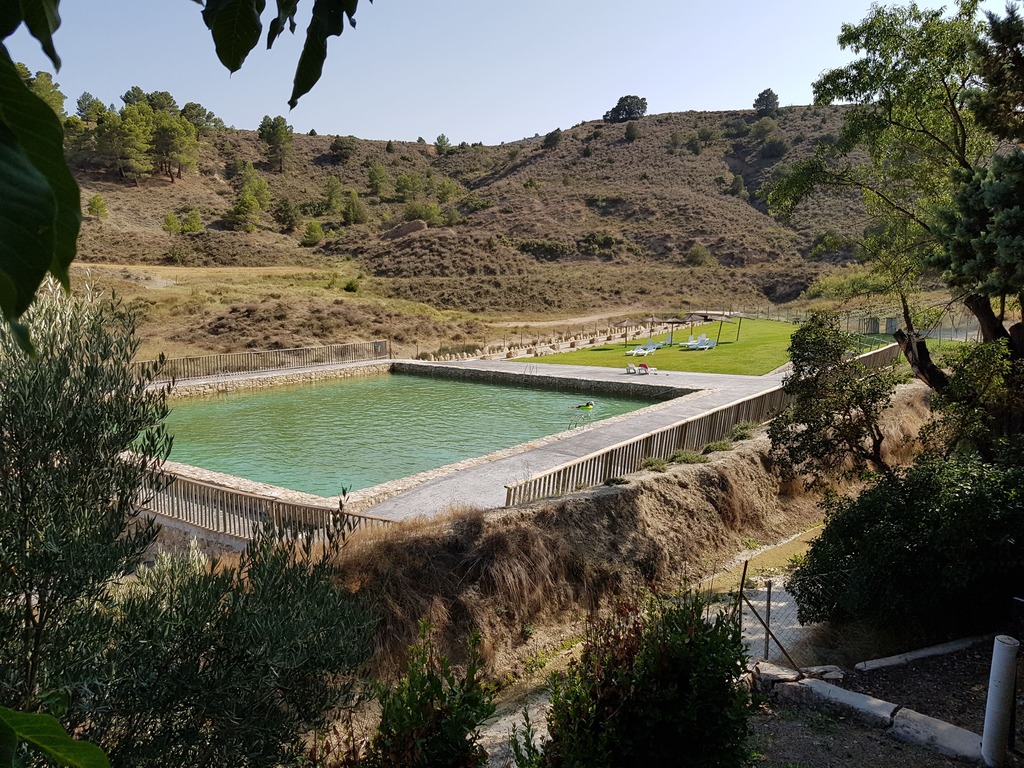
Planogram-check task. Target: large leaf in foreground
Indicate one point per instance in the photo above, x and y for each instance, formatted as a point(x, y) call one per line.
point(47, 736)
point(42, 210)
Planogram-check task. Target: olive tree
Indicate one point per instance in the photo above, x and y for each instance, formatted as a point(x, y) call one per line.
point(81, 431)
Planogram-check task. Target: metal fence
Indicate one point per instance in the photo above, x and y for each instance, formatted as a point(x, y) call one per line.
point(692, 434)
point(236, 513)
point(180, 368)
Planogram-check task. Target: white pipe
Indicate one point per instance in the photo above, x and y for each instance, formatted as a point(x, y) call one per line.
point(999, 705)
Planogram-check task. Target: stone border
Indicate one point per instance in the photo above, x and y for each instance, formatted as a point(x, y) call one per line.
point(364, 498)
point(268, 379)
point(635, 386)
point(902, 723)
point(923, 653)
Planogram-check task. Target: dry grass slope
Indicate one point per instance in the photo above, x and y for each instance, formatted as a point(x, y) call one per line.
point(595, 224)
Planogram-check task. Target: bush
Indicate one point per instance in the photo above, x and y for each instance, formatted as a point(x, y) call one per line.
point(190, 637)
point(654, 464)
point(698, 255)
point(97, 207)
point(287, 214)
point(553, 139)
point(743, 430)
point(354, 210)
point(192, 222)
point(651, 687)
point(683, 456)
point(430, 718)
point(343, 149)
point(774, 147)
point(171, 224)
point(717, 445)
point(428, 212)
point(632, 131)
point(932, 551)
point(314, 234)
point(763, 128)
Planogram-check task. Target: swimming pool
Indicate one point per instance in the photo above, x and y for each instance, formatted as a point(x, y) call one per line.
point(360, 432)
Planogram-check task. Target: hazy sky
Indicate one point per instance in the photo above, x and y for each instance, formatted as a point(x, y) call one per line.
point(475, 70)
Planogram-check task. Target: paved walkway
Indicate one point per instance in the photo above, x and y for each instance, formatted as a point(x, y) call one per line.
point(484, 485)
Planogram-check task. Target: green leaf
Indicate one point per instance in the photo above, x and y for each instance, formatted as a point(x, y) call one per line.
point(236, 28)
point(27, 223)
point(285, 13)
point(32, 131)
point(42, 19)
point(328, 21)
point(47, 735)
point(10, 18)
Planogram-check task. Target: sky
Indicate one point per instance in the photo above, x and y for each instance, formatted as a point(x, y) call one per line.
point(486, 71)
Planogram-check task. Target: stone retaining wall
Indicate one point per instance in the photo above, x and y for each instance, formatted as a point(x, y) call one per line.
point(277, 378)
point(628, 387)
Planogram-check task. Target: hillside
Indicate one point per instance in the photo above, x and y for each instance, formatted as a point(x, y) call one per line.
point(591, 225)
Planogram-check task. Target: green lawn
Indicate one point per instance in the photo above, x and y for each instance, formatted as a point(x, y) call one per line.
point(761, 348)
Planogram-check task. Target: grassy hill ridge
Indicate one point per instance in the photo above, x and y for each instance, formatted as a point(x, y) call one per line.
point(579, 223)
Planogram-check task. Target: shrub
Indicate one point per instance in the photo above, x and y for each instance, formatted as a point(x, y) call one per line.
point(774, 147)
point(743, 430)
point(192, 222)
point(354, 211)
point(651, 687)
point(171, 224)
point(632, 131)
point(428, 212)
point(717, 445)
point(287, 214)
point(932, 551)
point(430, 718)
point(352, 286)
point(698, 255)
point(408, 186)
point(343, 148)
point(763, 128)
point(97, 207)
point(683, 456)
point(189, 637)
point(553, 139)
point(654, 464)
point(314, 234)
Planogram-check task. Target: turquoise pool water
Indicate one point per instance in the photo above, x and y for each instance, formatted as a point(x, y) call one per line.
point(361, 432)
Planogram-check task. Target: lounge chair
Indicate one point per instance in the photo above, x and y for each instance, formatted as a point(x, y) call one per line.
point(695, 344)
point(706, 345)
point(644, 368)
point(640, 351)
point(630, 368)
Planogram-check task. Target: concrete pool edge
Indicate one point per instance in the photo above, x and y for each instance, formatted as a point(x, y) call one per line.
point(658, 390)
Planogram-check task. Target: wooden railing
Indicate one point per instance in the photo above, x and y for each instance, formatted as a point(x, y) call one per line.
point(691, 434)
point(626, 457)
point(235, 513)
point(181, 368)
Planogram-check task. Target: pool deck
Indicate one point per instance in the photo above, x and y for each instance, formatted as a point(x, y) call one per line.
point(483, 485)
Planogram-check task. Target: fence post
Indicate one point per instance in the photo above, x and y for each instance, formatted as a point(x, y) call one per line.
point(767, 618)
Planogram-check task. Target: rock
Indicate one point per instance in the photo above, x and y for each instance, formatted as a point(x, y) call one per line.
point(417, 225)
point(824, 672)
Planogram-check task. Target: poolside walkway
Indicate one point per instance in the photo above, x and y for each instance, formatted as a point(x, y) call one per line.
point(483, 485)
